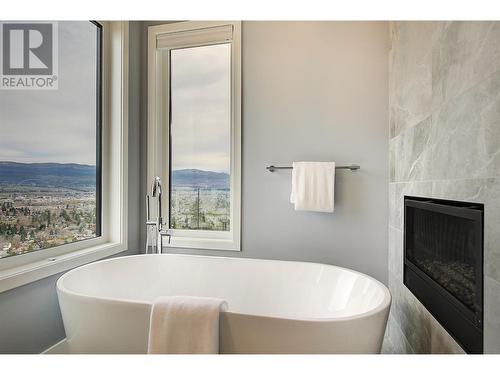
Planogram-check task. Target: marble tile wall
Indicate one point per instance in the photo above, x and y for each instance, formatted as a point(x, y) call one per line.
point(444, 97)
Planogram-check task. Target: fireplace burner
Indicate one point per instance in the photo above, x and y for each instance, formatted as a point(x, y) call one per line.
point(443, 264)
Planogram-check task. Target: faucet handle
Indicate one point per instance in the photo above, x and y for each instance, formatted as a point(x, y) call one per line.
point(166, 233)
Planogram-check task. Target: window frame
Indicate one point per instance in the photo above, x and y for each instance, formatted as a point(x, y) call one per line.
point(25, 268)
point(99, 121)
point(159, 128)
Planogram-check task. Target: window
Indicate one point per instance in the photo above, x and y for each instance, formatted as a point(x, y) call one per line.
point(200, 129)
point(77, 117)
point(194, 126)
point(50, 150)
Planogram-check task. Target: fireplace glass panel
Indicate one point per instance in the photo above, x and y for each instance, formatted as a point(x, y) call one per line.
point(443, 264)
point(443, 248)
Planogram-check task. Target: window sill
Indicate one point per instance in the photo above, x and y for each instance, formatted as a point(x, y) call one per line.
point(203, 243)
point(17, 276)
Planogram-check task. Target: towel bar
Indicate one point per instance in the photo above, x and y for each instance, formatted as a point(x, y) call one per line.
point(353, 168)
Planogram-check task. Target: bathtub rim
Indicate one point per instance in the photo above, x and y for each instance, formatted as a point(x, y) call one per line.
point(384, 304)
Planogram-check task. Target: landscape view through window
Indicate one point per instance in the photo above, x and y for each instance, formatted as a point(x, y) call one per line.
point(48, 152)
point(200, 138)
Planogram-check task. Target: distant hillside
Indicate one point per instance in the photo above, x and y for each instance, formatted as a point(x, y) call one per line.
point(74, 176)
point(80, 176)
point(199, 178)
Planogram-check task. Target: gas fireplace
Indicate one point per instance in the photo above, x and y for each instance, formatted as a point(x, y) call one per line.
point(443, 264)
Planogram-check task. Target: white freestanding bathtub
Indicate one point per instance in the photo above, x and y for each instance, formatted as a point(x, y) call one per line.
point(274, 306)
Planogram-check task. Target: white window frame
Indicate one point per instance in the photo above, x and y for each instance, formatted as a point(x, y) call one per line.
point(25, 268)
point(200, 33)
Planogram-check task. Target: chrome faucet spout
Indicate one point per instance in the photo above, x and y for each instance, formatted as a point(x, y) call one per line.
point(156, 192)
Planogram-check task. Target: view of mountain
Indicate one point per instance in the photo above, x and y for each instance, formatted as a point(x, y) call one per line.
point(77, 176)
point(80, 176)
point(43, 205)
point(198, 178)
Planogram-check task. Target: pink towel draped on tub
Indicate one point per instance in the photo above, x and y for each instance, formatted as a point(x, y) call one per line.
point(185, 325)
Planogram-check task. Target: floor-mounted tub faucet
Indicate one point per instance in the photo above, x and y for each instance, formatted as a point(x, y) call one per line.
point(160, 232)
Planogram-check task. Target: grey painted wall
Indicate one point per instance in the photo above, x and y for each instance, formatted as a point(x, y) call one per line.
point(311, 91)
point(445, 143)
point(30, 320)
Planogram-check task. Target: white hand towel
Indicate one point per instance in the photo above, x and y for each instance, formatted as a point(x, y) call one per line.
point(313, 186)
point(185, 325)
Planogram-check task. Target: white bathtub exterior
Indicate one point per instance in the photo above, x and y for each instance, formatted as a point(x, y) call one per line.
point(274, 306)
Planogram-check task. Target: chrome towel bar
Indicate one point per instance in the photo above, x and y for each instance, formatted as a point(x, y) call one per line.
point(353, 168)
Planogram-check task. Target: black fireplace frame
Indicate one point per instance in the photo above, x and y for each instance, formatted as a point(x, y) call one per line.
point(461, 322)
